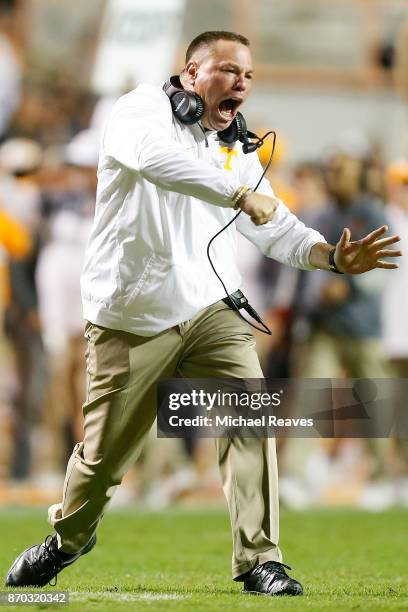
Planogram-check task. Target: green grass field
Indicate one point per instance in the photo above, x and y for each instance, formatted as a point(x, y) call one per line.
point(179, 560)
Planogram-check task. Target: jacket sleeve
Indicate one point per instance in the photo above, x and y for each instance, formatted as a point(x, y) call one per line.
point(138, 136)
point(285, 238)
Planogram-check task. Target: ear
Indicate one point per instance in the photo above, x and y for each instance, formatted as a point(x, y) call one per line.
point(190, 72)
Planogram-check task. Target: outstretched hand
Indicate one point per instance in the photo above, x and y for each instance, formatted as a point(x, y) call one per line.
point(356, 257)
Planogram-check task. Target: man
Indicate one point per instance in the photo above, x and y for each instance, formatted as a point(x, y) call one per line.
point(20, 162)
point(343, 312)
point(153, 305)
point(394, 323)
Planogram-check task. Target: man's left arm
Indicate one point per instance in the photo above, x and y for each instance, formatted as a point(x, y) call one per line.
point(286, 239)
point(356, 256)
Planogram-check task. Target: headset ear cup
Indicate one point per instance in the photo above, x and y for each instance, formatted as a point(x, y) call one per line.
point(241, 125)
point(199, 108)
point(187, 106)
point(235, 131)
point(229, 135)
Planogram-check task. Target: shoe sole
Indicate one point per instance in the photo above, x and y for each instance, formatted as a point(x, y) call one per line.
point(282, 594)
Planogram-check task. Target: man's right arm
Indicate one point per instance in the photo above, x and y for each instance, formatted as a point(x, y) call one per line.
point(138, 136)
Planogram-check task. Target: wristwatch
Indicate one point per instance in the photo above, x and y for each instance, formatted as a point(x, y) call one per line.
point(332, 263)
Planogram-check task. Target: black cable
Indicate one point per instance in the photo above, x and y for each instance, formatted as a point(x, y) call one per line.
point(268, 331)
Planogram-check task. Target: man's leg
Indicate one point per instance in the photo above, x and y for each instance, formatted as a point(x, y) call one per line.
point(320, 357)
point(119, 411)
point(120, 408)
point(218, 343)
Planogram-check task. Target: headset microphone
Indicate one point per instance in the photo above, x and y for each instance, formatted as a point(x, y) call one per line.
point(247, 145)
point(238, 131)
point(242, 134)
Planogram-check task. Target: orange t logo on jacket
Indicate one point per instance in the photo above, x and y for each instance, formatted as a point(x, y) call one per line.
point(230, 153)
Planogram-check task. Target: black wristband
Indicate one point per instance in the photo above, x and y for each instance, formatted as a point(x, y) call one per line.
point(332, 263)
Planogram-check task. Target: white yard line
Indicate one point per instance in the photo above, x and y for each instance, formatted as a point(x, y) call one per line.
point(83, 596)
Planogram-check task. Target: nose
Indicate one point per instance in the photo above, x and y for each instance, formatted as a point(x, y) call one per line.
point(241, 83)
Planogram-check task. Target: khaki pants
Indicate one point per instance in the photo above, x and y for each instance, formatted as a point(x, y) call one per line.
point(328, 356)
point(123, 370)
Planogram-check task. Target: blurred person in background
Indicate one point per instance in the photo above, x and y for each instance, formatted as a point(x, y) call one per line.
point(68, 208)
point(20, 160)
point(279, 171)
point(394, 318)
point(53, 111)
point(291, 330)
point(395, 294)
point(15, 244)
point(338, 327)
point(344, 311)
point(260, 273)
point(311, 198)
point(356, 144)
point(10, 68)
point(310, 191)
point(154, 307)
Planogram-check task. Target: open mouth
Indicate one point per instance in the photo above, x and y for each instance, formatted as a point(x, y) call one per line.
point(228, 108)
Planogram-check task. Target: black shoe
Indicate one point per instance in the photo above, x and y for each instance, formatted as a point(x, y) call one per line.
point(270, 578)
point(40, 563)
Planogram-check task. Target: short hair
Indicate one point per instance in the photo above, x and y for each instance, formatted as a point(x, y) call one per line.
point(209, 38)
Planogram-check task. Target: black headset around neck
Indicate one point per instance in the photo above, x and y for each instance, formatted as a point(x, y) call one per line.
point(188, 107)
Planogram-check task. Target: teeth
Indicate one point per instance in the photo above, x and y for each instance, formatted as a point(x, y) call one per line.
point(227, 105)
point(226, 112)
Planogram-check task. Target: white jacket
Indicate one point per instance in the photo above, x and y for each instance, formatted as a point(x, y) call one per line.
point(164, 189)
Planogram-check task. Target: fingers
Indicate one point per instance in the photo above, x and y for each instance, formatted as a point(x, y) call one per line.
point(388, 253)
point(260, 220)
point(385, 242)
point(370, 238)
point(344, 238)
point(261, 209)
point(264, 217)
point(386, 265)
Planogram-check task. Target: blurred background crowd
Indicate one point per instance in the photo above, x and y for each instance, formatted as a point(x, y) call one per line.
point(332, 79)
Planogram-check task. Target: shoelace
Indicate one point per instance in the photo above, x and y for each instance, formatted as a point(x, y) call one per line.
point(48, 561)
point(277, 568)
